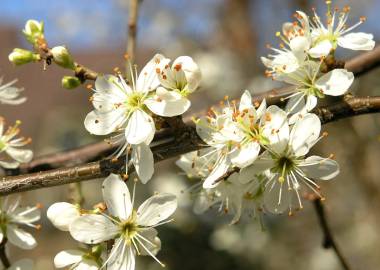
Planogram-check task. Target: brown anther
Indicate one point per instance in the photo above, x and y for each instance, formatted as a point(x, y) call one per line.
point(225, 98)
point(116, 70)
point(39, 205)
point(101, 206)
point(158, 71)
point(89, 86)
point(164, 77)
point(38, 227)
point(126, 56)
point(363, 18)
point(157, 60)
point(158, 99)
point(331, 156)
point(166, 66)
point(96, 121)
point(125, 176)
point(268, 117)
point(178, 67)
point(325, 134)
point(114, 160)
point(256, 104)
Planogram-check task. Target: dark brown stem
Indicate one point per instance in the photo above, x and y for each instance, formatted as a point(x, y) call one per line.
point(3, 255)
point(185, 140)
point(328, 240)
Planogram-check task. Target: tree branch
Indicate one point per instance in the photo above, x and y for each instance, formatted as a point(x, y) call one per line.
point(183, 141)
point(359, 65)
point(132, 30)
point(3, 255)
point(328, 240)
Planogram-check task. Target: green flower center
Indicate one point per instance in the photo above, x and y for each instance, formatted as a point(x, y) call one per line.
point(129, 228)
point(284, 165)
point(135, 100)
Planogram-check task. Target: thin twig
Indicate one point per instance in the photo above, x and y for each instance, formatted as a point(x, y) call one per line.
point(132, 30)
point(185, 140)
point(328, 240)
point(3, 255)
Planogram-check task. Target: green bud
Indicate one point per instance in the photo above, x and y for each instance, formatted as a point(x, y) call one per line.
point(62, 57)
point(21, 56)
point(33, 31)
point(70, 82)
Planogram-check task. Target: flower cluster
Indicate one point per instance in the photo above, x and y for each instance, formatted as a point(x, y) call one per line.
point(131, 231)
point(300, 61)
point(129, 109)
point(257, 159)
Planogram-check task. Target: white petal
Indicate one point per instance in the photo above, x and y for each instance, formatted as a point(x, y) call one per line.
point(271, 198)
point(124, 257)
point(143, 160)
point(276, 128)
point(336, 82)
point(20, 155)
point(93, 229)
point(140, 127)
point(87, 265)
point(357, 41)
point(220, 168)
point(299, 46)
point(167, 103)
point(98, 123)
point(151, 235)
point(1, 236)
point(304, 134)
point(245, 155)
point(156, 209)
point(323, 48)
point(24, 264)
point(245, 101)
point(112, 87)
point(192, 71)
point(259, 166)
point(320, 168)
point(26, 215)
point(116, 196)
point(261, 109)
point(148, 79)
point(311, 102)
point(206, 129)
point(9, 165)
point(20, 238)
point(61, 214)
point(67, 257)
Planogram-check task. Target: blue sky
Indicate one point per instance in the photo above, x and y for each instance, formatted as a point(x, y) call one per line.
point(102, 23)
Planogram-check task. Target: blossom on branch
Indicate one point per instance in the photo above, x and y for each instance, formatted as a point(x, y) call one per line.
point(288, 169)
point(12, 216)
point(10, 153)
point(133, 231)
point(237, 134)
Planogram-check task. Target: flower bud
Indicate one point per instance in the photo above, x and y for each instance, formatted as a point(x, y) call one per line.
point(21, 56)
point(33, 31)
point(70, 82)
point(62, 57)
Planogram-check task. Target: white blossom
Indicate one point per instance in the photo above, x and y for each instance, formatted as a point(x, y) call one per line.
point(237, 133)
point(12, 216)
point(312, 84)
point(289, 167)
point(178, 82)
point(121, 108)
point(10, 94)
point(10, 153)
point(133, 231)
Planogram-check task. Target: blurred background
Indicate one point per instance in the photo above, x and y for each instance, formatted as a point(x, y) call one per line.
point(226, 38)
